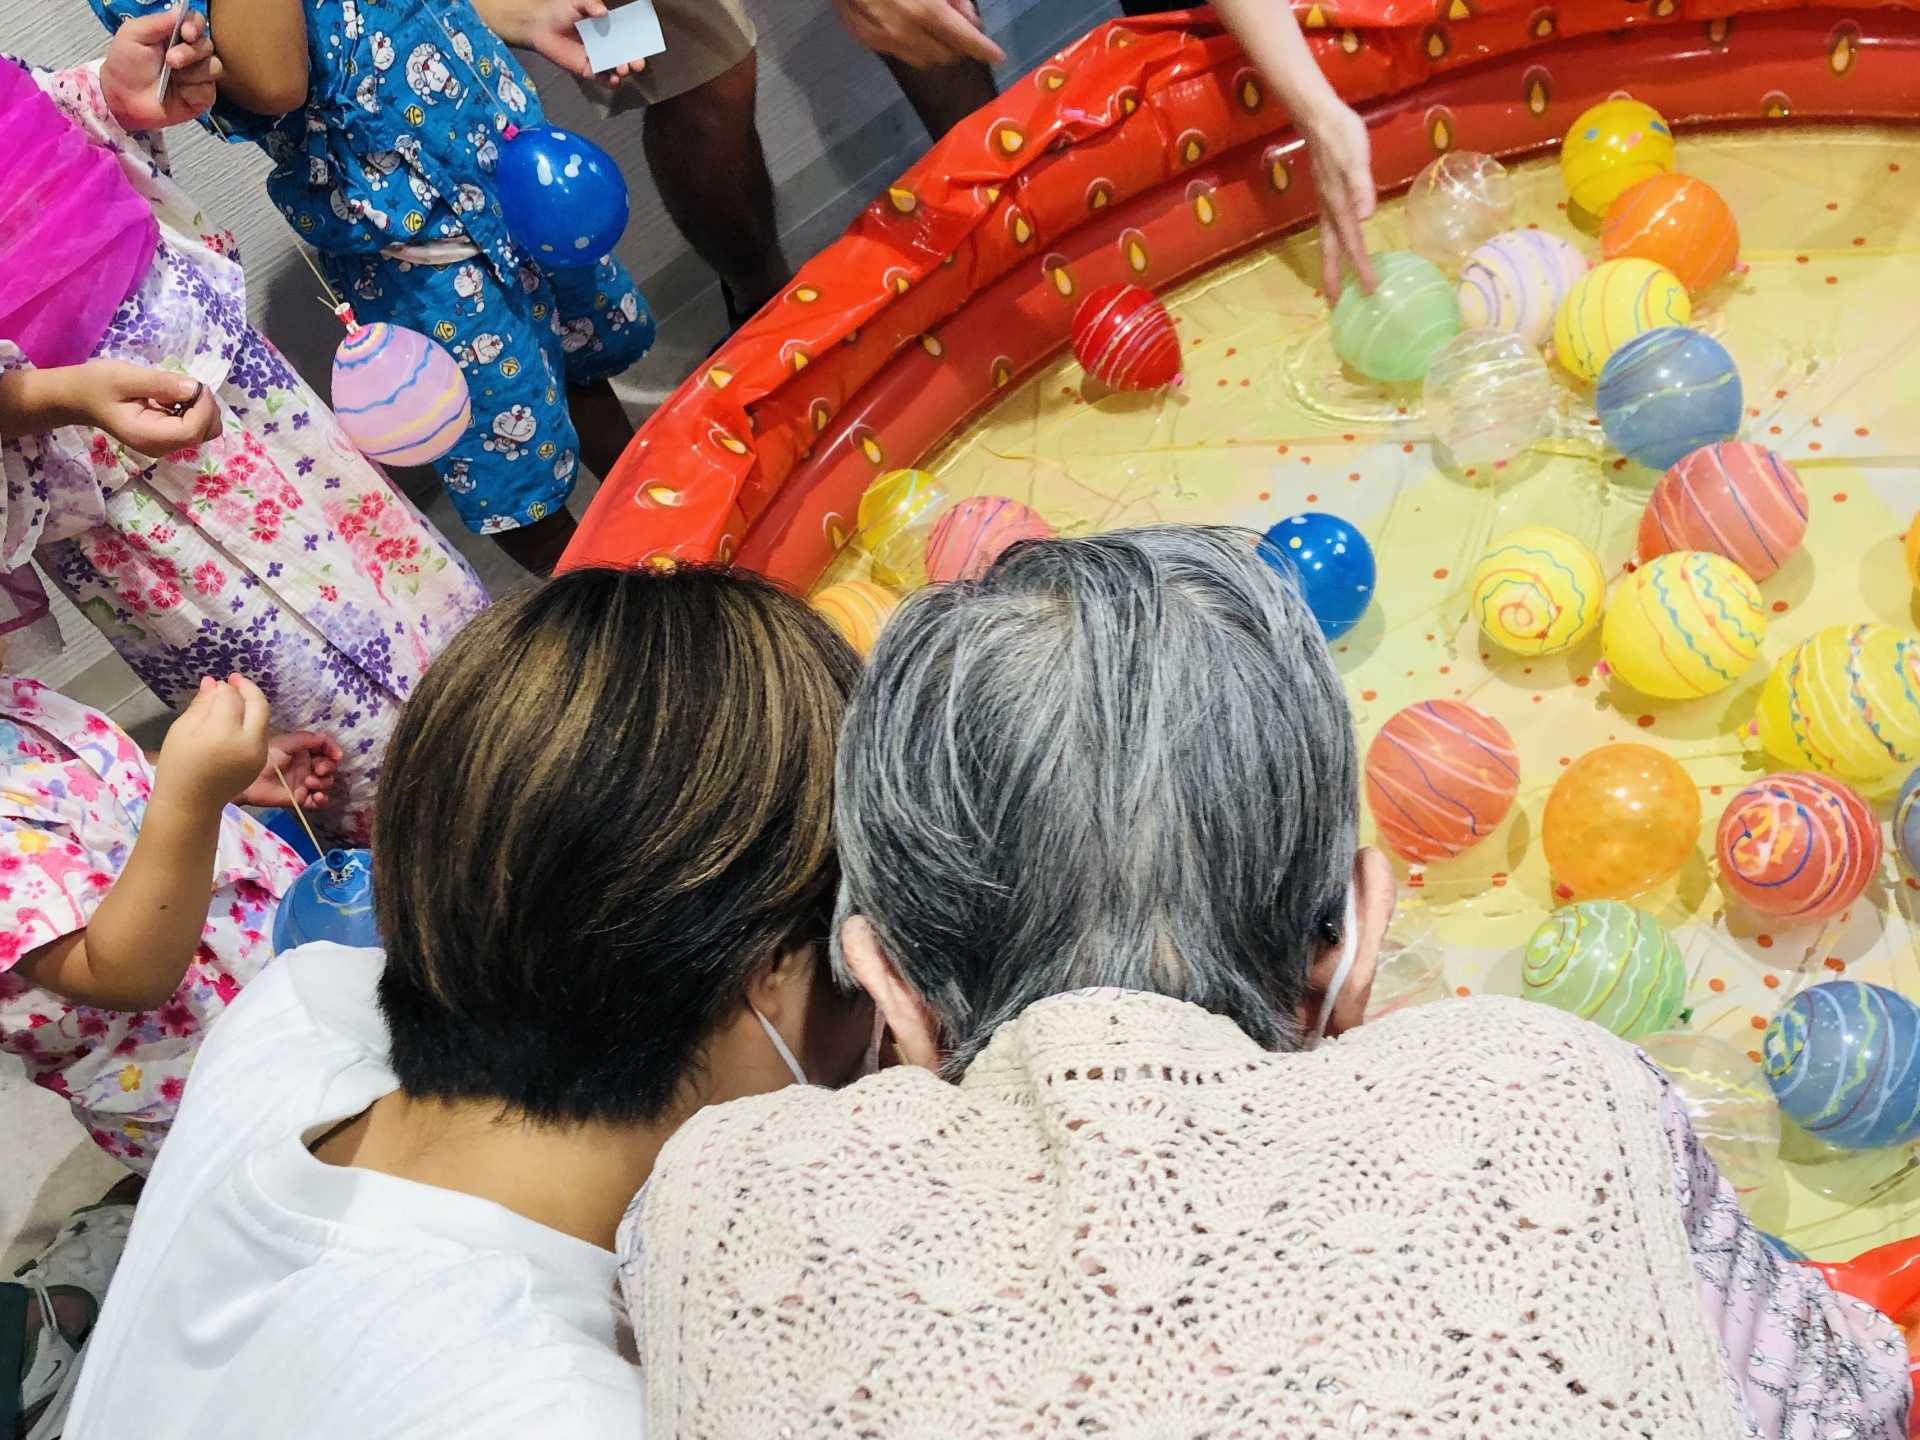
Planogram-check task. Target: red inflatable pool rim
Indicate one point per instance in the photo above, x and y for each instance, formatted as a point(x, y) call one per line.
point(1144, 152)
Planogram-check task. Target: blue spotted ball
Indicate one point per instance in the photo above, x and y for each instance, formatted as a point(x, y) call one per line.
point(1666, 393)
point(1333, 563)
point(562, 197)
point(331, 900)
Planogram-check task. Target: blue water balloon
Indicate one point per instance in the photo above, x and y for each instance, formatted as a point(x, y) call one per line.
point(1666, 393)
point(1782, 1248)
point(331, 900)
point(562, 197)
point(1334, 564)
point(1906, 822)
point(1843, 1059)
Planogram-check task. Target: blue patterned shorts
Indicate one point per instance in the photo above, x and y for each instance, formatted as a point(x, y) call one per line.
point(521, 347)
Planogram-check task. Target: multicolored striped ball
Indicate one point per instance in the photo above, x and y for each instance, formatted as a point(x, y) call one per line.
point(1124, 338)
point(969, 537)
point(1798, 846)
point(1612, 147)
point(1537, 590)
point(1394, 333)
point(399, 396)
point(1678, 221)
point(1666, 393)
point(1608, 963)
point(858, 610)
point(1906, 822)
point(1736, 499)
point(1517, 282)
point(1843, 1059)
point(1684, 625)
point(1441, 776)
point(1846, 702)
point(1608, 306)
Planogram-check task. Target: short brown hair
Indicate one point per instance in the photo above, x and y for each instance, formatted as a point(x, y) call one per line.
point(608, 803)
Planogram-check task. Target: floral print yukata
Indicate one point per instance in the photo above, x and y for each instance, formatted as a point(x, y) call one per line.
point(276, 549)
point(73, 790)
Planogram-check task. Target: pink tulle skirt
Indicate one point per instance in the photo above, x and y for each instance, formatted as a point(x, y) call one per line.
point(75, 236)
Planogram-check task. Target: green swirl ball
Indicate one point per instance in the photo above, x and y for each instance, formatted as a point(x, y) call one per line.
point(1608, 963)
point(1394, 333)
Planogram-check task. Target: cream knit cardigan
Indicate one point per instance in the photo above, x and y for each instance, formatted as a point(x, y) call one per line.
point(1127, 1220)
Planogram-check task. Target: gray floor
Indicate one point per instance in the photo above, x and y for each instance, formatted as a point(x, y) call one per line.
point(48, 1167)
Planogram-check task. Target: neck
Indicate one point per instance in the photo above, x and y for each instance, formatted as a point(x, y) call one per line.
point(577, 1179)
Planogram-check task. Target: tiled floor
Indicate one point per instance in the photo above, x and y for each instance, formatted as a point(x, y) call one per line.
point(47, 1166)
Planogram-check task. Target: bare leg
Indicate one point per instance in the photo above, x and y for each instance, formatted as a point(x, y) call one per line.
point(706, 159)
point(601, 422)
point(537, 547)
point(945, 95)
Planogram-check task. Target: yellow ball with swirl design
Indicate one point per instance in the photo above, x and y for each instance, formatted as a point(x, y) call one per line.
point(1609, 305)
point(858, 609)
point(1683, 625)
point(1537, 590)
point(895, 514)
point(1846, 702)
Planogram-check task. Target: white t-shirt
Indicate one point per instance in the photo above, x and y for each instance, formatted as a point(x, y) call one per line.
point(264, 1293)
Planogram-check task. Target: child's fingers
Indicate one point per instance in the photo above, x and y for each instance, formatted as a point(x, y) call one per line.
point(255, 712)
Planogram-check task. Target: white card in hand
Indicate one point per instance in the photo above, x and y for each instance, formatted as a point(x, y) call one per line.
point(622, 36)
point(166, 71)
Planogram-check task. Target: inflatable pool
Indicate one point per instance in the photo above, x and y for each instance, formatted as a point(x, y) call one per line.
point(933, 335)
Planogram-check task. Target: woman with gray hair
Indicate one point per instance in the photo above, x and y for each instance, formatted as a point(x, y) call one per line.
point(1097, 815)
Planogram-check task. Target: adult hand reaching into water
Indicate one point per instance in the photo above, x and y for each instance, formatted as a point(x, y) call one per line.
point(1336, 137)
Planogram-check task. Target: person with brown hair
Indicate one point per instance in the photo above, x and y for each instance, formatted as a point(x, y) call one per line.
point(604, 878)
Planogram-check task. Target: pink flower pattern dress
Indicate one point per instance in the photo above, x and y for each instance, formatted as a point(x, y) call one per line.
point(73, 790)
point(276, 549)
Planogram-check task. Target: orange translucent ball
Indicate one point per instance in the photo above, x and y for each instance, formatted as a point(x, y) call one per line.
point(1677, 221)
point(1913, 550)
point(1620, 820)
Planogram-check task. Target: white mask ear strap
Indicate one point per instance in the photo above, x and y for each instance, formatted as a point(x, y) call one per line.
point(780, 1046)
point(1349, 946)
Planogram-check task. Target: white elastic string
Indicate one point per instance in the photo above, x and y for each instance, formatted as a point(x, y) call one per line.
point(799, 1075)
point(1349, 946)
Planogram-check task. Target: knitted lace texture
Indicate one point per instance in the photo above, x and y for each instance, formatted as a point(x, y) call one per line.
point(1129, 1221)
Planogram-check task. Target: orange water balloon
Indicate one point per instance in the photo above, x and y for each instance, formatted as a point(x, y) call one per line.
point(1677, 221)
point(1619, 821)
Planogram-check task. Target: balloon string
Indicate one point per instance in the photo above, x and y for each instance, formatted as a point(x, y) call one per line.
point(293, 803)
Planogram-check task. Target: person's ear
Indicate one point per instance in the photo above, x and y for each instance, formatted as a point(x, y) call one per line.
point(1374, 897)
point(915, 1033)
point(781, 986)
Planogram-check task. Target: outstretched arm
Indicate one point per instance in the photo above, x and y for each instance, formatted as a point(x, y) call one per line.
point(1336, 137)
point(263, 46)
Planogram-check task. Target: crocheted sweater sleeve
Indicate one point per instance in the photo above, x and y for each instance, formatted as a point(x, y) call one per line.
point(1802, 1362)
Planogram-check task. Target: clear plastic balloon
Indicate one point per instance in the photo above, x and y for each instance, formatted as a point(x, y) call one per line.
point(1489, 396)
point(1460, 201)
point(1411, 969)
point(1727, 1099)
point(896, 514)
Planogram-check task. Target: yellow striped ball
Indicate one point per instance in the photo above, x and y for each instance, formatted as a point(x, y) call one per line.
point(1537, 590)
point(1846, 702)
point(1683, 625)
point(858, 609)
point(1609, 305)
point(895, 514)
point(1610, 149)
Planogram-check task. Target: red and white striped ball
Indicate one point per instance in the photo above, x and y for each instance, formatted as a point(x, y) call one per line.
point(969, 537)
point(1441, 776)
point(1734, 498)
point(1798, 846)
point(1123, 337)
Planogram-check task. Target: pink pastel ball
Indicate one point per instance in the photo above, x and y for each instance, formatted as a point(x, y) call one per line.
point(399, 396)
point(969, 536)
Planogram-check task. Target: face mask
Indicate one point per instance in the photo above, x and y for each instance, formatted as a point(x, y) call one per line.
point(1349, 945)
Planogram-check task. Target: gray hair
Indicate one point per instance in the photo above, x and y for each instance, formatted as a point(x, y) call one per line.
point(1122, 761)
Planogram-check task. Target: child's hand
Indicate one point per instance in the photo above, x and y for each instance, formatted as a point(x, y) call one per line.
point(308, 760)
point(138, 52)
point(155, 412)
point(546, 28)
point(218, 748)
